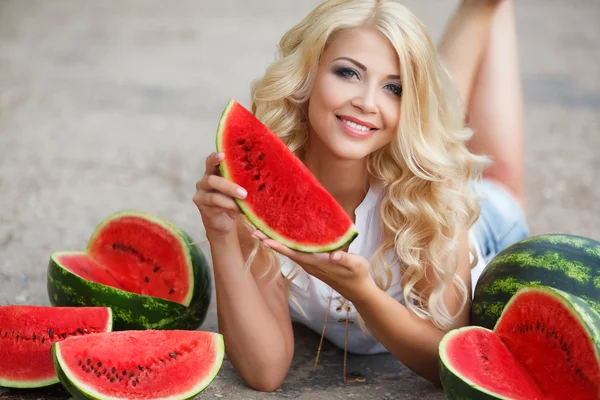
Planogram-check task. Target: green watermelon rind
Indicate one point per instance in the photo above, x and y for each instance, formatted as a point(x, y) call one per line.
point(345, 239)
point(130, 310)
point(50, 381)
point(586, 315)
point(82, 391)
point(563, 261)
point(455, 386)
point(5, 383)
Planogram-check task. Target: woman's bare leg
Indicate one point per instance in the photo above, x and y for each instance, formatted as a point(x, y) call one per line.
point(464, 42)
point(479, 49)
point(495, 110)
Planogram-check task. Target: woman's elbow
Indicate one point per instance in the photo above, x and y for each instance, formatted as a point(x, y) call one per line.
point(266, 383)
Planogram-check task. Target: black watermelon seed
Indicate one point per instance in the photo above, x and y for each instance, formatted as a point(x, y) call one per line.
point(124, 373)
point(103, 371)
point(241, 141)
point(133, 383)
point(33, 337)
point(99, 363)
point(140, 368)
point(80, 330)
point(112, 379)
point(261, 156)
point(261, 187)
point(146, 279)
point(247, 148)
point(78, 362)
point(50, 332)
point(113, 370)
point(64, 335)
point(173, 355)
point(256, 177)
point(43, 339)
point(171, 291)
point(83, 367)
point(156, 269)
point(88, 361)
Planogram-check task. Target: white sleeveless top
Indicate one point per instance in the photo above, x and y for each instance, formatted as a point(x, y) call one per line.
point(312, 295)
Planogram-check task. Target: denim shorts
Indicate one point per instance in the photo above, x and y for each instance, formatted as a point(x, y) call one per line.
point(502, 221)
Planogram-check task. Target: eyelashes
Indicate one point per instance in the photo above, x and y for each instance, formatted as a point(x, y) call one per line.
point(349, 73)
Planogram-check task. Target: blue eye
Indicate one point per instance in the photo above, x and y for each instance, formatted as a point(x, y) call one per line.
point(395, 89)
point(346, 73)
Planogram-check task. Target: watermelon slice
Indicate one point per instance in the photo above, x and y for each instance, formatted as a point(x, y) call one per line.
point(285, 201)
point(146, 364)
point(143, 267)
point(27, 333)
point(546, 345)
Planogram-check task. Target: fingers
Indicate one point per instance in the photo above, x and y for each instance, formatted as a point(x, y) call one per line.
point(212, 161)
point(222, 185)
point(347, 260)
point(259, 235)
point(213, 199)
point(297, 256)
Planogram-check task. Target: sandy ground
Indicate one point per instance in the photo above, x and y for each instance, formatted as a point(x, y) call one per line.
point(113, 105)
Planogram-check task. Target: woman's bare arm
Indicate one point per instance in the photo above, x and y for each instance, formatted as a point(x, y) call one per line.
point(252, 311)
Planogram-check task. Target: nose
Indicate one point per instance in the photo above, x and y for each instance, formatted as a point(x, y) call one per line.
point(366, 100)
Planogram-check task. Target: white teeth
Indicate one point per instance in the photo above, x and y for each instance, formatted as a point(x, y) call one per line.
point(356, 126)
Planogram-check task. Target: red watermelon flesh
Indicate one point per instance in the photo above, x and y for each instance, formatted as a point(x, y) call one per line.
point(484, 360)
point(27, 333)
point(146, 364)
point(137, 255)
point(285, 200)
point(546, 345)
point(550, 341)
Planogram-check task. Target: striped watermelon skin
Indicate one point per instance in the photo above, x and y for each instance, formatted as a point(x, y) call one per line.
point(569, 263)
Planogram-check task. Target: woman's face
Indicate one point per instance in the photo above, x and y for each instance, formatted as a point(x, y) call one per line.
point(354, 107)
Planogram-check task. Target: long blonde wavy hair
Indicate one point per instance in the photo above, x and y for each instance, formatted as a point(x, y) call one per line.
point(425, 171)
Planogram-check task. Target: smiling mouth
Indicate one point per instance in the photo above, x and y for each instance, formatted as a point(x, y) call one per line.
point(355, 125)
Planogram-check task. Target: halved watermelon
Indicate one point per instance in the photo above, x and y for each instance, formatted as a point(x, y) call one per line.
point(27, 333)
point(285, 201)
point(146, 364)
point(546, 345)
point(143, 267)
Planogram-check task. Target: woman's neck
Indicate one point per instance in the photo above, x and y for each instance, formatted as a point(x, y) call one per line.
point(346, 180)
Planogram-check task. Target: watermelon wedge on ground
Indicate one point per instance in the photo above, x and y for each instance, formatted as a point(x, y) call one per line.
point(27, 333)
point(567, 262)
point(546, 345)
point(143, 267)
point(146, 364)
point(285, 201)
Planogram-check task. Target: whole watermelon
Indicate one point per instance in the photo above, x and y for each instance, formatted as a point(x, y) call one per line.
point(567, 262)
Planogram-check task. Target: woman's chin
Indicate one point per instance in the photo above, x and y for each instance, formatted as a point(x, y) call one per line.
point(349, 151)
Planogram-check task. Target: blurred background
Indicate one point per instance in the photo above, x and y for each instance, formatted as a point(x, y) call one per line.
point(110, 105)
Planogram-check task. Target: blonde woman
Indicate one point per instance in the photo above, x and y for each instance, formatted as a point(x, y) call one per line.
point(360, 94)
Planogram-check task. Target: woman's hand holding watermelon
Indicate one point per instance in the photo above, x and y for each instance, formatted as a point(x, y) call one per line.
point(214, 198)
point(347, 273)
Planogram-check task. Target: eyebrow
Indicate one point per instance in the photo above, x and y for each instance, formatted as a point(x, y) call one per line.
point(361, 66)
